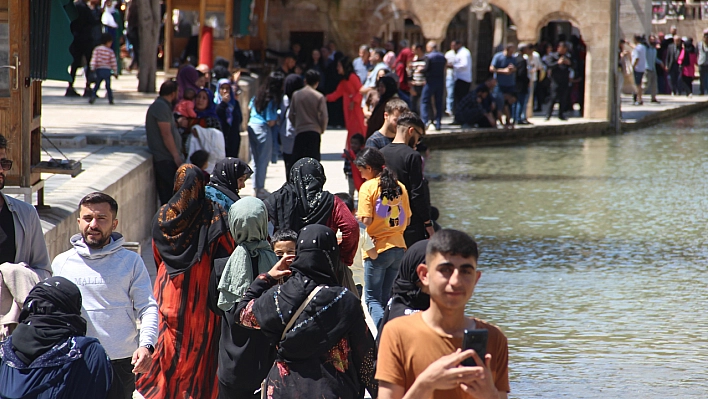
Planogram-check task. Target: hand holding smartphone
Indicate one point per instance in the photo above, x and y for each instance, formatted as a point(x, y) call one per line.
point(477, 341)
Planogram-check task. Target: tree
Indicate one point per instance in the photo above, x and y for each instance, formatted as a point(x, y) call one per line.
point(149, 31)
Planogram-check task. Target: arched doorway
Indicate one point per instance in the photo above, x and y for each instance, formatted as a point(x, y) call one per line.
point(550, 35)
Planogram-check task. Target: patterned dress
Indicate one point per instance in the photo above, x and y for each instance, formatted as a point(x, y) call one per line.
point(185, 361)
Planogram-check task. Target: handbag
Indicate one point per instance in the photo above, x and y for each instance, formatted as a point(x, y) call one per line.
point(298, 312)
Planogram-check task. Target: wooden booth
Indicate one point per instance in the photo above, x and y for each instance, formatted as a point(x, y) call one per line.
point(207, 29)
point(25, 58)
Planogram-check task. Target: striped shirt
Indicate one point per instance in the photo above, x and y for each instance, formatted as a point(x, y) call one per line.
point(103, 57)
point(417, 67)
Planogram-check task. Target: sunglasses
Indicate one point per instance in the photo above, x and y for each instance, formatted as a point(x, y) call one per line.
point(5, 164)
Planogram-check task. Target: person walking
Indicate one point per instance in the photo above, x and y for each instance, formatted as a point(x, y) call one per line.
point(263, 116)
point(292, 84)
point(188, 234)
point(523, 83)
point(245, 355)
point(103, 63)
point(639, 65)
point(164, 140)
point(651, 72)
point(24, 260)
point(673, 51)
point(348, 90)
point(323, 346)
point(86, 29)
point(116, 291)
point(228, 109)
point(688, 60)
point(434, 72)
point(402, 158)
point(308, 114)
point(702, 52)
point(559, 66)
point(385, 210)
point(50, 357)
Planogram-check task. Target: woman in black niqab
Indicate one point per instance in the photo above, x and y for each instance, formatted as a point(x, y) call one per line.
point(50, 315)
point(328, 352)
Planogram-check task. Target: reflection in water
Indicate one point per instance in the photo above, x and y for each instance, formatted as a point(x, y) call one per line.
point(593, 256)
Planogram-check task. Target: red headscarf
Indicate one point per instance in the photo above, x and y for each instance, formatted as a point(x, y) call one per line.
point(402, 61)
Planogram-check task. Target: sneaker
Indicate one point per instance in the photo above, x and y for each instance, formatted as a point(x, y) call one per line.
point(70, 92)
point(87, 93)
point(111, 102)
point(92, 100)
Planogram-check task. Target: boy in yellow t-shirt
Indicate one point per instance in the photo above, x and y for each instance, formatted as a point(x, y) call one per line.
point(385, 210)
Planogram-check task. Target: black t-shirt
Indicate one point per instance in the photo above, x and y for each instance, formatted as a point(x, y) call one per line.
point(7, 236)
point(408, 166)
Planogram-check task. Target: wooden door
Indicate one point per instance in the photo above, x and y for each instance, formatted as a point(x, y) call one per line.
point(218, 14)
point(15, 97)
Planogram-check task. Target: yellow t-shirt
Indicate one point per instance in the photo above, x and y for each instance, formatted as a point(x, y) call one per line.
point(390, 217)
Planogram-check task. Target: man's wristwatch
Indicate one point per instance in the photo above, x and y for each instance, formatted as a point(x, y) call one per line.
point(150, 348)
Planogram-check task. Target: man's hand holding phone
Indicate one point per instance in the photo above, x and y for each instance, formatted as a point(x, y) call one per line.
point(481, 388)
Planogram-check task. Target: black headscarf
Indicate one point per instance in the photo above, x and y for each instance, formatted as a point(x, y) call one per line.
point(226, 174)
point(301, 201)
point(405, 294)
point(184, 228)
point(51, 314)
point(376, 120)
point(293, 83)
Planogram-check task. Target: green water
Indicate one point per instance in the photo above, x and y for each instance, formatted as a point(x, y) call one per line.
point(594, 255)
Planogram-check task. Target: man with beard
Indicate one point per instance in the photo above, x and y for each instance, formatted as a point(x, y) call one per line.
point(116, 289)
point(164, 140)
point(384, 136)
point(403, 159)
point(24, 260)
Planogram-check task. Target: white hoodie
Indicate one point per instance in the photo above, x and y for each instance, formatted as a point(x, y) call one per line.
point(116, 291)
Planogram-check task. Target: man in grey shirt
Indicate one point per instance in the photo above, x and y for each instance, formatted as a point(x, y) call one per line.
point(308, 114)
point(164, 140)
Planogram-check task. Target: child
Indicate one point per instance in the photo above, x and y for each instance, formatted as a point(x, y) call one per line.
point(366, 245)
point(356, 143)
point(283, 242)
point(104, 64)
point(200, 158)
point(385, 210)
point(186, 105)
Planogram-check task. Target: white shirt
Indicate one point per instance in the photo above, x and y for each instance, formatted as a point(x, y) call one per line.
point(462, 66)
point(535, 65)
point(639, 53)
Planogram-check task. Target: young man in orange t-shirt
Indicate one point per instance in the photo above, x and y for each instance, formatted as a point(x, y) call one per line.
point(420, 355)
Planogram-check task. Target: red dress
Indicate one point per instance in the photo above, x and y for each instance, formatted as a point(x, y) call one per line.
point(348, 89)
point(185, 361)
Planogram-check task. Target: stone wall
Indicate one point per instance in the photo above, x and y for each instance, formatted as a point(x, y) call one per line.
point(634, 18)
point(127, 177)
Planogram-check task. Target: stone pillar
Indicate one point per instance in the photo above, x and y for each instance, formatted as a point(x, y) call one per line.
point(473, 40)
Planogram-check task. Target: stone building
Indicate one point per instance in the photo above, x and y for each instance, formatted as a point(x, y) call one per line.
point(350, 23)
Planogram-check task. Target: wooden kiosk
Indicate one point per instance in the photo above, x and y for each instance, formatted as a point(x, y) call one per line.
point(25, 43)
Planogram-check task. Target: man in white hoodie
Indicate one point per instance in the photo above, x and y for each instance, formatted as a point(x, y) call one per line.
point(116, 291)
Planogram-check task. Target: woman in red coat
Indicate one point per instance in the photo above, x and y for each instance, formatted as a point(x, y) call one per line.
point(348, 89)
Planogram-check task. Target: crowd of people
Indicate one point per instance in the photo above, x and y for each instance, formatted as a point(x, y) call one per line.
point(254, 297)
point(664, 64)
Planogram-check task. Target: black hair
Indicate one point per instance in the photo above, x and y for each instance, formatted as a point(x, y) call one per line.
point(100, 198)
point(271, 89)
point(221, 61)
point(434, 213)
point(189, 94)
point(359, 138)
point(348, 200)
point(312, 77)
point(283, 235)
point(106, 38)
point(3, 142)
point(452, 242)
point(482, 88)
point(419, 46)
point(199, 158)
point(411, 119)
point(388, 182)
point(381, 52)
point(168, 87)
point(347, 66)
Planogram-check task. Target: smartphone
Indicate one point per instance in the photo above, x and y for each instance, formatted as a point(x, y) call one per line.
point(476, 340)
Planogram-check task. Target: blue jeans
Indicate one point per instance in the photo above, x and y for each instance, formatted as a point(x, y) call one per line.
point(425, 107)
point(522, 100)
point(378, 280)
point(103, 74)
point(260, 139)
point(450, 88)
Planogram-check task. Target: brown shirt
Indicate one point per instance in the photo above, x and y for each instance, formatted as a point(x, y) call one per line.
point(409, 345)
point(308, 111)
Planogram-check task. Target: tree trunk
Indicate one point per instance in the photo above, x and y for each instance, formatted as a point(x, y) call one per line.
point(149, 31)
